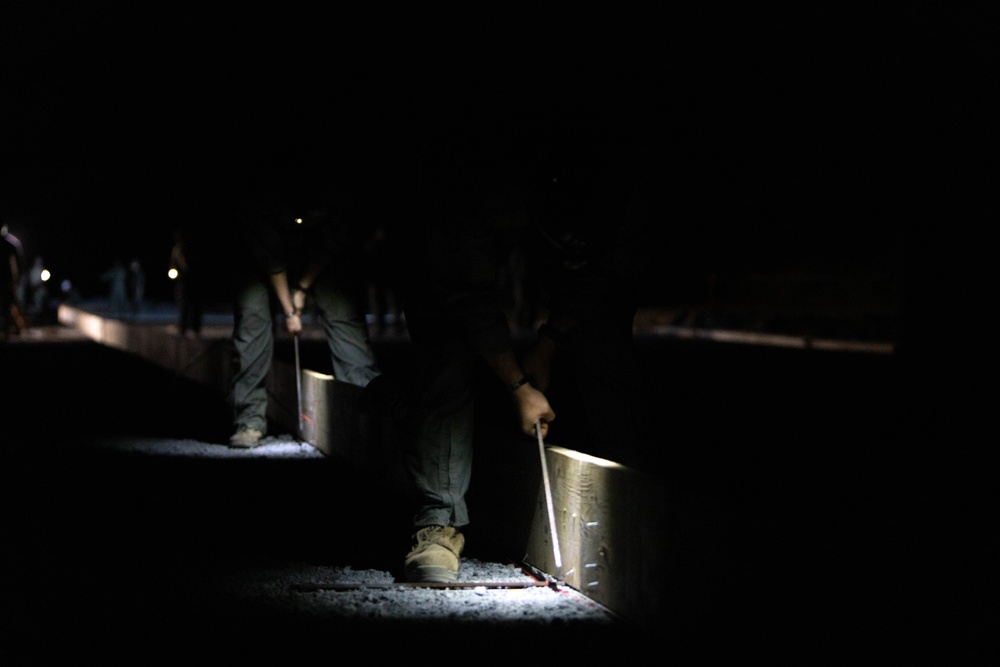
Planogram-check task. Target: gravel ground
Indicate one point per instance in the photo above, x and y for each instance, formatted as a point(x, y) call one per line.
point(343, 592)
point(137, 533)
point(130, 532)
point(339, 592)
point(272, 447)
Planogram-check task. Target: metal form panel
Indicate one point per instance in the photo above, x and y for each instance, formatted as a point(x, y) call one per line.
point(206, 360)
point(329, 415)
point(609, 523)
point(316, 410)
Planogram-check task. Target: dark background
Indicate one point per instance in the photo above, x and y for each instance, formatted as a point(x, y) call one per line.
point(797, 138)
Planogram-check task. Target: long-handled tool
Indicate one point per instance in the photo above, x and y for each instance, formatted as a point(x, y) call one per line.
point(548, 502)
point(298, 382)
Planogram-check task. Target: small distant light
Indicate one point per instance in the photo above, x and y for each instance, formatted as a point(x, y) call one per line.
point(66, 285)
point(298, 221)
point(45, 275)
point(172, 274)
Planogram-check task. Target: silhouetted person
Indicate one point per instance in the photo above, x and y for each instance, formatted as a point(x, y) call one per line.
point(588, 246)
point(292, 250)
point(117, 280)
point(12, 265)
point(188, 287)
point(480, 200)
point(137, 285)
point(38, 293)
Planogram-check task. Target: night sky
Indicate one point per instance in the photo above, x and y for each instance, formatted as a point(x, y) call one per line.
point(772, 139)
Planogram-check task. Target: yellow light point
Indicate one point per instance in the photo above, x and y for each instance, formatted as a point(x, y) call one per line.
point(172, 274)
point(298, 221)
point(45, 275)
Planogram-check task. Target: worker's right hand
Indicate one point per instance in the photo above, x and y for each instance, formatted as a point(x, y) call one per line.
point(533, 408)
point(299, 299)
point(293, 324)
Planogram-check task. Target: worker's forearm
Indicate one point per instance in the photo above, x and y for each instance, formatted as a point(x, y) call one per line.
point(280, 283)
point(506, 366)
point(310, 274)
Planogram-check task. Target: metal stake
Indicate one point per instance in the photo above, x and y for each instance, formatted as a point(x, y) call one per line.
point(298, 382)
point(548, 501)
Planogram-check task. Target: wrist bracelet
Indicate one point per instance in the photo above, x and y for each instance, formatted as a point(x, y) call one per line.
point(520, 383)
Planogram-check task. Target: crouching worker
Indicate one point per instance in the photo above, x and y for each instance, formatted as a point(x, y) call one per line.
point(292, 249)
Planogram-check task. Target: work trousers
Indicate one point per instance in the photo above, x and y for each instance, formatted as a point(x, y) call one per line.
point(439, 459)
point(343, 321)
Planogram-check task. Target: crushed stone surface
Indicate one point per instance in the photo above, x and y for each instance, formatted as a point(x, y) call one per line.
point(299, 589)
point(273, 446)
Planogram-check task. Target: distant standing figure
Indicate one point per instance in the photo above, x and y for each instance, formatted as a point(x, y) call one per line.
point(36, 287)
point(188, 292)
point(11, 272)
point(117, 279)
point(137, 285)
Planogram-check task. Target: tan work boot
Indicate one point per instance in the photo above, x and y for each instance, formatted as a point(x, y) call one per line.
point(246, 438)
point(435, 556)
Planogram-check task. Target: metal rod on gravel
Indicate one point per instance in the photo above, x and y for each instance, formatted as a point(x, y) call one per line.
point(548, 501)
point(298, 382)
